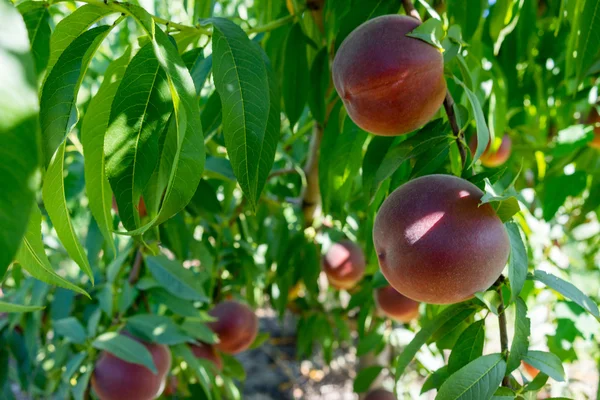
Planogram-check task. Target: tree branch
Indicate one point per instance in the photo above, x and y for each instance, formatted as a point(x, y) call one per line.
point(134, 275)
point(502, 324)
point(409, 8)
point(311, 198)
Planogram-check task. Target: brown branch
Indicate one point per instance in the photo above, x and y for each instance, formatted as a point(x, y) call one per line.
point(449, 107)
point(409, 8)
point(311, 197)
point(134, 275)
point(280, 172)
point(502, 324)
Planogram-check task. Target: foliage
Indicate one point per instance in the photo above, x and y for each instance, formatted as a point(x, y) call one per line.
point(160, 157)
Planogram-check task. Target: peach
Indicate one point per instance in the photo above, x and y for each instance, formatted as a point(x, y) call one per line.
point(436, 244)
point(390, 83)
point(344, 264)
point(380, 394)
point(116, 379)
point(396, 306)
point(208, 352)
point(493, 159)
point(236, 326)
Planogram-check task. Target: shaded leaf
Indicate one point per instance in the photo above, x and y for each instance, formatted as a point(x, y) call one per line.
point(156, 329)
point(58, 110)
point(19, 133)
point(295, 86)
point(428, 330)
point(70, 328)
point(126, 349)
point(37, 20)
point(139, 112)
point(242, 82)
point(93, 129)
point(33, 259)
point(520, 342)
point(53, 193)
point(17, 308)
point(176, 279)
point(468, 347)
point(517, 263)
point(365, 378)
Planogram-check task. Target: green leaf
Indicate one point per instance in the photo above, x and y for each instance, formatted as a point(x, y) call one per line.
point(33, 259)
point(176, 279)
point(435, 380)
point(374, 156)
point(242, 82)
point(430, 31)
point(126, 349)
point(584, 43)
point(517, 263)
point(547, 363)
point(468, 347)
point(37, 20)
point(296, 79)
point(53, 193)
point(503, 393)
point(156, 329)
point(341, 165)
point(188, 156)
point(505, 204)
point(365, 378)
point(139, 113)
point(409, 352)
point(19, 133)
point(568, 290)
point(93, 129)
point(319, 83)
point(58, 108)
point(233, 368)
point(17, 308)
point(465, 14)
point(212, 117)
point(73, 365)
point(72, 26)
point(81, 388)
point(556, 189)
point(478, 380)
point(70, 328)
point(483, 134)
point(197, 368)
point(520, 342)
point(199, 330)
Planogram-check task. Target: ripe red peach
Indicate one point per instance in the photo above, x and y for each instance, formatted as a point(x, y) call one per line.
point(380, 394)
point(236, 326)
point(344, 264)
point(207, 352)
point(436, 243)
point(493, 159)
point(390, 83)
point(395, 305)
point(116, 379)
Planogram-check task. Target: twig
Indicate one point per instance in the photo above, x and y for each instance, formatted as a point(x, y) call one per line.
point(134, 275)
point(409, 8)
point(311, 198)
point(280, 172)
point(449, 107)
point(502, 324)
